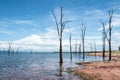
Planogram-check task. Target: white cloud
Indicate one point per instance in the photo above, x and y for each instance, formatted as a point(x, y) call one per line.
point(116, 36)
point(23, 21)
point(115, 22)
point(32, 39)
point(48, 40)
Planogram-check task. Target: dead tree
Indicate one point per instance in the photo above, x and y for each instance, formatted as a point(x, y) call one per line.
point(60, 28)
point(9, 47)
point(17, 51)
point(79, 49)
point(76, 46)
point(110, 13)
point(91, 47)
point(95, 47)
point(70, 37)
point(83, 31)
point(104, 36)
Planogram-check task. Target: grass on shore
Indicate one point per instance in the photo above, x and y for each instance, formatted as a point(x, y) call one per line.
point(115, 52)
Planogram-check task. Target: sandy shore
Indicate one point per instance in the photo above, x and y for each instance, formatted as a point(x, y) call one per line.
point(104, 70)
point(108, 70)
point(106, 54)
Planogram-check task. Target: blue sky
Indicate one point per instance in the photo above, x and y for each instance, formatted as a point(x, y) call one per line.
point(30, 23)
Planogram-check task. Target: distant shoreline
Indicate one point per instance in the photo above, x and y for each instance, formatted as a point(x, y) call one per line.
point(114, 54)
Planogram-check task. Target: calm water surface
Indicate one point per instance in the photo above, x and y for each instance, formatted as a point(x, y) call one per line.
point(38, 66)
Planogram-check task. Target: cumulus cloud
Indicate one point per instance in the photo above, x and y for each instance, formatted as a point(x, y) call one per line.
point(48, 40)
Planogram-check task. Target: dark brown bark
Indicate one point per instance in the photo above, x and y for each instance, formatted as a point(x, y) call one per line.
point(70, 45)
point(110, 29)
point(60, 54)
point(83, 31)
point(104, 36)
point(110, 12)
point(60, 28)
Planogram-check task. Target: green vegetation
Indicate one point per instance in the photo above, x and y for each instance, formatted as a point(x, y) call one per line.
point(115, 52)
point(85, 76)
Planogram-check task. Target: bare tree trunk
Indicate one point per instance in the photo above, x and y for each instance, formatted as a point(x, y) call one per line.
point(110, 12)
point(76, 47)
point(91, 47)
point(83, 31)
point(103, 48)
point(119, 48)
point(104, 36)
point(95, 48)
point(110, 29)
point(70, 45)
point(60, 28)
point(80, 49)
point(9, 47)
point(83, 50)
point(70, 50)
point(60, 56)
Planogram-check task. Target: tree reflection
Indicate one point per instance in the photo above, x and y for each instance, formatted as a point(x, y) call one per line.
point(60, 69)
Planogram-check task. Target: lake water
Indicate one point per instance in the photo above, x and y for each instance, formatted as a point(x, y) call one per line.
point(38, 66)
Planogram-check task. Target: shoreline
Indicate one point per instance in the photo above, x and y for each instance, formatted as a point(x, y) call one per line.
point(107, 70)
point(99, 70)
point(115, 55)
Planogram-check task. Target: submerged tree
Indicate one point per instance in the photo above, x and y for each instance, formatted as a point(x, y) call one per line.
point(76, 46)
point(91, 47)
point(17, 51)
point(79, 51)
point(95, 46)
point(83, 31)
point(60, 28)
point(9, 47)
point(70, 37)
point(103, 39)
point(110, 13)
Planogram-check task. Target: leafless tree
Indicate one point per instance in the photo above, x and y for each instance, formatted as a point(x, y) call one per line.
point(76, 46)
point(95, 47)
point(9, 47)
point(79, 49)
point(17, 51)
point(70, 37)
point(91, 47)
point(60, 28)
point(103, 39)
point(110, 13)
point(83, 31)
